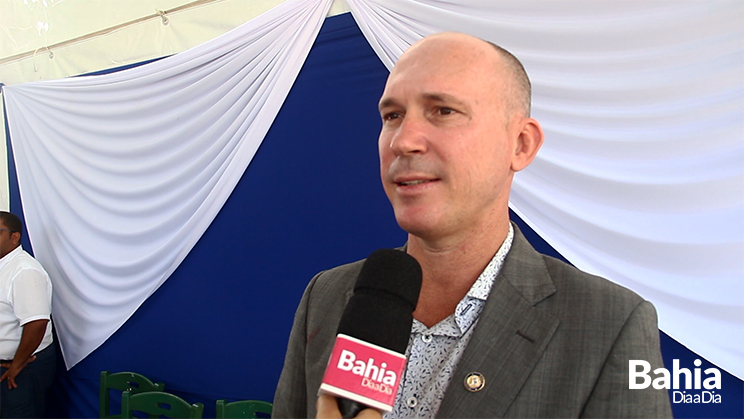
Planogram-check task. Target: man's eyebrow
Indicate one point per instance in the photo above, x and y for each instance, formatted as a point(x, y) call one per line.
point(442, 97)
point(429, 97)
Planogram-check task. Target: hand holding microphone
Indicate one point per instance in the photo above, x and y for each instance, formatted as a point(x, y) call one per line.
point(367, 361)
point(327, 408)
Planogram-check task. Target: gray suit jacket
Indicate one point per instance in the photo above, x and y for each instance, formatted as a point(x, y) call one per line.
point(552, 342)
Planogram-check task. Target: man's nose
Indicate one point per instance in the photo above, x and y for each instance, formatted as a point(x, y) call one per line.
point(410, 137)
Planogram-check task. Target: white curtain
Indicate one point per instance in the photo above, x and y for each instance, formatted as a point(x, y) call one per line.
point(120, 174)
point(641, 178)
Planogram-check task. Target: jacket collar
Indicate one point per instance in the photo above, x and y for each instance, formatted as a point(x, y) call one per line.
point(509, 339)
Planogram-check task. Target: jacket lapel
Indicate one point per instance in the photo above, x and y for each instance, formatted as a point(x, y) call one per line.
point(509, 338)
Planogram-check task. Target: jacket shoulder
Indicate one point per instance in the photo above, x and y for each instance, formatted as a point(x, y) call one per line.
point(337, 281)
point(592, 292)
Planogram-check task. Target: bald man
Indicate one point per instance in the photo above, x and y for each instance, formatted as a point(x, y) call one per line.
point(499, 329)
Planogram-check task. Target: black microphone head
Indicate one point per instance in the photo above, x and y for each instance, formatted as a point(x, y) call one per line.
point(385, 295)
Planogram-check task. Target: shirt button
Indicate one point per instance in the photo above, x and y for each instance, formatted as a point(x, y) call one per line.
point(411, 402)
point(426, 338)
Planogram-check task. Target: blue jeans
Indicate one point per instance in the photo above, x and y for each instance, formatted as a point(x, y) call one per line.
point(28, 399)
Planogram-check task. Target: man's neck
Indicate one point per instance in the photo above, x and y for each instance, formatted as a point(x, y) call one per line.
point(9, 252)
point(450, 268)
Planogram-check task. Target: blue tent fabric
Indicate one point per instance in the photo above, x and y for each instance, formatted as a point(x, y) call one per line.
point(310, 200)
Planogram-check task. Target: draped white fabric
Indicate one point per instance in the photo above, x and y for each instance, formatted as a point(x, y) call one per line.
point(120, 174)
point(641, 177)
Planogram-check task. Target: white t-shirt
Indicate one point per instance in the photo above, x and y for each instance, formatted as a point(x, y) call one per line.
point(25, 296)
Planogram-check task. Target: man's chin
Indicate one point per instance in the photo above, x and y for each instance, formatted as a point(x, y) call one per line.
point(423, 227)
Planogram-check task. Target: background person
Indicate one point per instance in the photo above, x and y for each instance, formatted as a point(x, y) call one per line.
point(28, 358)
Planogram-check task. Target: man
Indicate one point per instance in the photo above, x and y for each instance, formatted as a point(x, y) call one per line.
point(499, 330)
point(28, 358)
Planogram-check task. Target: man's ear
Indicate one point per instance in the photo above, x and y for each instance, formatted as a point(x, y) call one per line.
point(15, 237)
point(529, 141)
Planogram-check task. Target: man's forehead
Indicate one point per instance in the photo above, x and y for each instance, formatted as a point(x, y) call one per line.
point(444, 77)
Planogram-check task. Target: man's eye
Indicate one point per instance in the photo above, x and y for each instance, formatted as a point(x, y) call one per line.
point(445, 111)
point(390, 116)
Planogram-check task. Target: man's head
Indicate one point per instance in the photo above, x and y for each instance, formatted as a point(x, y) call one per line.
point(456, 128)
point(10, 232)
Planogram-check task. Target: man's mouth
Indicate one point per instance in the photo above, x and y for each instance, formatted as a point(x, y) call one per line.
point(414, 182)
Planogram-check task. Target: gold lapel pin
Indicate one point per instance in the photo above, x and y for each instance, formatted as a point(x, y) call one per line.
point(474, 381)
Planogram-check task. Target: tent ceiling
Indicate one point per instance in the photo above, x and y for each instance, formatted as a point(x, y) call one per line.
point(49, 39)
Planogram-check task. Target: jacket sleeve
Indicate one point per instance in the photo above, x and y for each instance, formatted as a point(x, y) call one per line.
point(612, 397)
point(290, 398)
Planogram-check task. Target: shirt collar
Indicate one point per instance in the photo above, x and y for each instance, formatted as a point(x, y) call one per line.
point(469, 308)
point(482, 286)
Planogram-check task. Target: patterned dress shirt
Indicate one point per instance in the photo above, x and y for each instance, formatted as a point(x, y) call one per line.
point(433, 353)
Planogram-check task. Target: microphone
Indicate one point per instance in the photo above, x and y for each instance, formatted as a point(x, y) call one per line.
point(368, 357)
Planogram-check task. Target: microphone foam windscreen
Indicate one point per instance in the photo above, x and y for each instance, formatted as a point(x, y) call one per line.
point(385, 295)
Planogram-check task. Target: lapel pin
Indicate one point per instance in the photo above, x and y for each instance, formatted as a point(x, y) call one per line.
point(474, 381)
